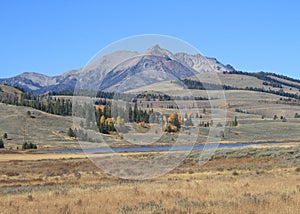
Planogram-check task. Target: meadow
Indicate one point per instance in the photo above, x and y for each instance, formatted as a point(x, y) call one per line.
point(245, 180)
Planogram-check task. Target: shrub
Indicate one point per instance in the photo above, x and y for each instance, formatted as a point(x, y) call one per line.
point(235, 173)
point(30, 198)
point(10, 174)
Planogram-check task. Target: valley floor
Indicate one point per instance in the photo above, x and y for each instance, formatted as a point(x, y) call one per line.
point(245, 180)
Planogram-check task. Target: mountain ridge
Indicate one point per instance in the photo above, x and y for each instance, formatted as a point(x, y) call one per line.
point(164, 64)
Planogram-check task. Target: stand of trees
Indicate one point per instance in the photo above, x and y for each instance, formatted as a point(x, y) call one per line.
point(233, 123)
point(57, 106)
point(108, 121)
point(79, 134)
point(108, 116)
point(173, 123)
point(29, 146)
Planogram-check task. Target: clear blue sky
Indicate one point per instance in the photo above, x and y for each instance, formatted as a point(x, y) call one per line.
point(52, 37)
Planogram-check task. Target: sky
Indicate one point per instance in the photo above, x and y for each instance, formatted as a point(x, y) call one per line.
point(53, 37)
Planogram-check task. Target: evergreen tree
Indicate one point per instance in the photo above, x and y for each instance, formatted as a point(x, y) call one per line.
point(130, 114)
point(135, 112)
point(71, 133)
point(176, 121)
point(1, 144)
point(189, 122)
point(5, 136)
point(81, 124)
point(235, 123)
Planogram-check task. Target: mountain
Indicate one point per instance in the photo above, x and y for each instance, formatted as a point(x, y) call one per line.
point(144, 70)
point(39, 83)
point(121, 70)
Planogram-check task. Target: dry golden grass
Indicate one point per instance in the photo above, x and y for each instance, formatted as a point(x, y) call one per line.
point(275, 194)
point(246, 184)
point(22, 156)
point(46, 130)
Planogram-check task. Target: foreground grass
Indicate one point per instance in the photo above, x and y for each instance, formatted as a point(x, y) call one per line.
point(248, 180)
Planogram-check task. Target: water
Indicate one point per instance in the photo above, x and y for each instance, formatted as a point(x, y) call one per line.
point(155, 148)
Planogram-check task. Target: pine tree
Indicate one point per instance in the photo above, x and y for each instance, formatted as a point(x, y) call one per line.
point(71, 133)
point(235, 123)
point(1, 144)
point(130, 114)
point(189, 122)
point(135, 112)
point(176, 121)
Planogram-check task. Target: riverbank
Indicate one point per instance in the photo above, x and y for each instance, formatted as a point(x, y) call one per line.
point(147, 148)
point(20, 155)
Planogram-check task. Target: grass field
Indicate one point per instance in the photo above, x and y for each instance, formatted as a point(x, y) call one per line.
point(248, 180)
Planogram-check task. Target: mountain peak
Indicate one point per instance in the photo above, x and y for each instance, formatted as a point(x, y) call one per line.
point(155, 47)
point(158, 51)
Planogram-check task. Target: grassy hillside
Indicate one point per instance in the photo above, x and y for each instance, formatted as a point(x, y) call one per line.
point(254, 110)
point(41, 128)
point(8, 91)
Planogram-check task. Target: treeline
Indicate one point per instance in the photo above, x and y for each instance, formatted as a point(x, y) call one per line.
point(57, 106)
point(243, 111)
point(272, 84)
point(99, 94)
point(192, 84)
point(265, 76)
point(270, 91)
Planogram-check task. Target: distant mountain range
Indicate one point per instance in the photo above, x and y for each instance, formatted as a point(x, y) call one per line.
point(122, 71)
